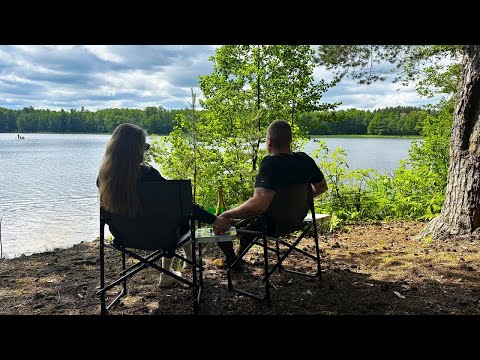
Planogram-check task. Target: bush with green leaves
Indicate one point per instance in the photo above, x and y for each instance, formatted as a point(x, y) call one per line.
point(414, 191)
point(348, 198)
point(247, 90)
point(250, 86)
point(195, 143)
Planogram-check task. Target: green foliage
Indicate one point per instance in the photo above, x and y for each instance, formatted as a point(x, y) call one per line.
point(427, 241)
point(8, 122)
point(423, 177)
point(435, 68)
point(351, 121)
point(357, 60)
point(156, 120)
point(399, 120)
point(250, 86)
point(277, 79)
point(396, 121)
point(414, 191)
point(219, 161)
point(348, 198)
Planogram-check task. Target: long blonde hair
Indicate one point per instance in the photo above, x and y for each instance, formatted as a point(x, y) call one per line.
point(120, 170)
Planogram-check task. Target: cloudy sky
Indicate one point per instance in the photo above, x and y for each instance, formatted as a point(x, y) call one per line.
point(136, 76)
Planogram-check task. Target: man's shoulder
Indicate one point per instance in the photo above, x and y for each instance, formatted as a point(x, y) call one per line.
point(266, 160)
point(301, 154)
point(286, 159)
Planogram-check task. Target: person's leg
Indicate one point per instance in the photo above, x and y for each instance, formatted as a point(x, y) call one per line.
point(227, 249)
point(246, 239)
point(167, 280)
point(187, 249)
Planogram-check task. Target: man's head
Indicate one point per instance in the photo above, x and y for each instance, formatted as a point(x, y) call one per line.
point(279, 137)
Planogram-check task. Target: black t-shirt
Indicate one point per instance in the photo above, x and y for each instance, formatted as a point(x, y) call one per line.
point(287, 169)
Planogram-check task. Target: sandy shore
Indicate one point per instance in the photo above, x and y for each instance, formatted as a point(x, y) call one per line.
point(374, 269)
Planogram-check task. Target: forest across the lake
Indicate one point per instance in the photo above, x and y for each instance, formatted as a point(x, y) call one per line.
point(400, 120)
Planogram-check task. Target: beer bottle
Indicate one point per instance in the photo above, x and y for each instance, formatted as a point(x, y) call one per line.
point(220, 204)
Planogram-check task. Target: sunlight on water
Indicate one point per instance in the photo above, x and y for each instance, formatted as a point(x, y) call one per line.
point(381, 154)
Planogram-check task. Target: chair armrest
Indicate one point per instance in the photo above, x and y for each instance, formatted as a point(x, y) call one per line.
point(253, 232)
point(318, 218)
point(205, 235)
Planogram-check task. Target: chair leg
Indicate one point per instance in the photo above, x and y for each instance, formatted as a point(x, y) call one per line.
point(259, 236)
point(229, 270)
point(317, 248)
point(195, 285)
point(103, 309)
point(200, 261)
point(278, 257)
point(123, 269)
point(267, 278)
point(229, 278)
point(195, 291)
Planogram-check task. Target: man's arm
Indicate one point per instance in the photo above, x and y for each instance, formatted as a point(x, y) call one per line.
point(254, 206)
point(319, 188)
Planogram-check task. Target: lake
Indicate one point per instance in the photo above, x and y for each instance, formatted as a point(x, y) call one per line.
point(48, 196)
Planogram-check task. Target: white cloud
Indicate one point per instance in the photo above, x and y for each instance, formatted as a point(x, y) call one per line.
point(14, 78)
point(104, 52)
point(105, 76)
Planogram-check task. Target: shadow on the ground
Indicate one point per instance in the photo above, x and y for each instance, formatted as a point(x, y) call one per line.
point(360, 281)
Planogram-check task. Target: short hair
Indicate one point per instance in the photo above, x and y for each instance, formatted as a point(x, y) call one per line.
point(280, 133)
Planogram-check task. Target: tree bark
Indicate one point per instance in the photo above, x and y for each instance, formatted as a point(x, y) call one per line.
point(460, 215)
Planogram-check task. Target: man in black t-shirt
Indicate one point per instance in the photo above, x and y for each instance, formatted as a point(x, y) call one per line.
point(282, 167)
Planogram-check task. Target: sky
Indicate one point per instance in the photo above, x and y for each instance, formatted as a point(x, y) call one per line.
point(136, 76)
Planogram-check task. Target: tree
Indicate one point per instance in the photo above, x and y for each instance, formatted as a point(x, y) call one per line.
point(460, 215)
point(434, 68)
point(250, 86)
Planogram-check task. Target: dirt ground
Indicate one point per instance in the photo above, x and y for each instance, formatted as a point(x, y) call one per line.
point(371, 269)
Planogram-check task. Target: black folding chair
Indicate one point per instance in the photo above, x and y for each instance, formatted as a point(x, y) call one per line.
point(166, 206)
point(286, 214)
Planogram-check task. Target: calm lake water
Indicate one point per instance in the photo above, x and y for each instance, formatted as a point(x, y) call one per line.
point(48, 196)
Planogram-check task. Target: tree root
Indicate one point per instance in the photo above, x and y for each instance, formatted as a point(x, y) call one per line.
point(438, 229)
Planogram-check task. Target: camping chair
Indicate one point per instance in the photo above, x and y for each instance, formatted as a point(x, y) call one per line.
point(285, 215)
point(165, 206)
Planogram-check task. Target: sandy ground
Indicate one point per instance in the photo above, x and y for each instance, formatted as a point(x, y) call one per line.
point(371, 269)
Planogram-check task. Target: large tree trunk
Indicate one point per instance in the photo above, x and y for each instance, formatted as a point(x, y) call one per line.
point(460, 216)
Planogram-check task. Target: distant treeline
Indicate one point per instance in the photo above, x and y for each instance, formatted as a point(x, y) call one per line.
point(28, 120)
point(400, 120)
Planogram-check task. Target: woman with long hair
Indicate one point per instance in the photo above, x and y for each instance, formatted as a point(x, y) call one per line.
point(122, 168)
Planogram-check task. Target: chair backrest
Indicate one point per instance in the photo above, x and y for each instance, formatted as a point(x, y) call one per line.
point(166, 205)
point(289, 208)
